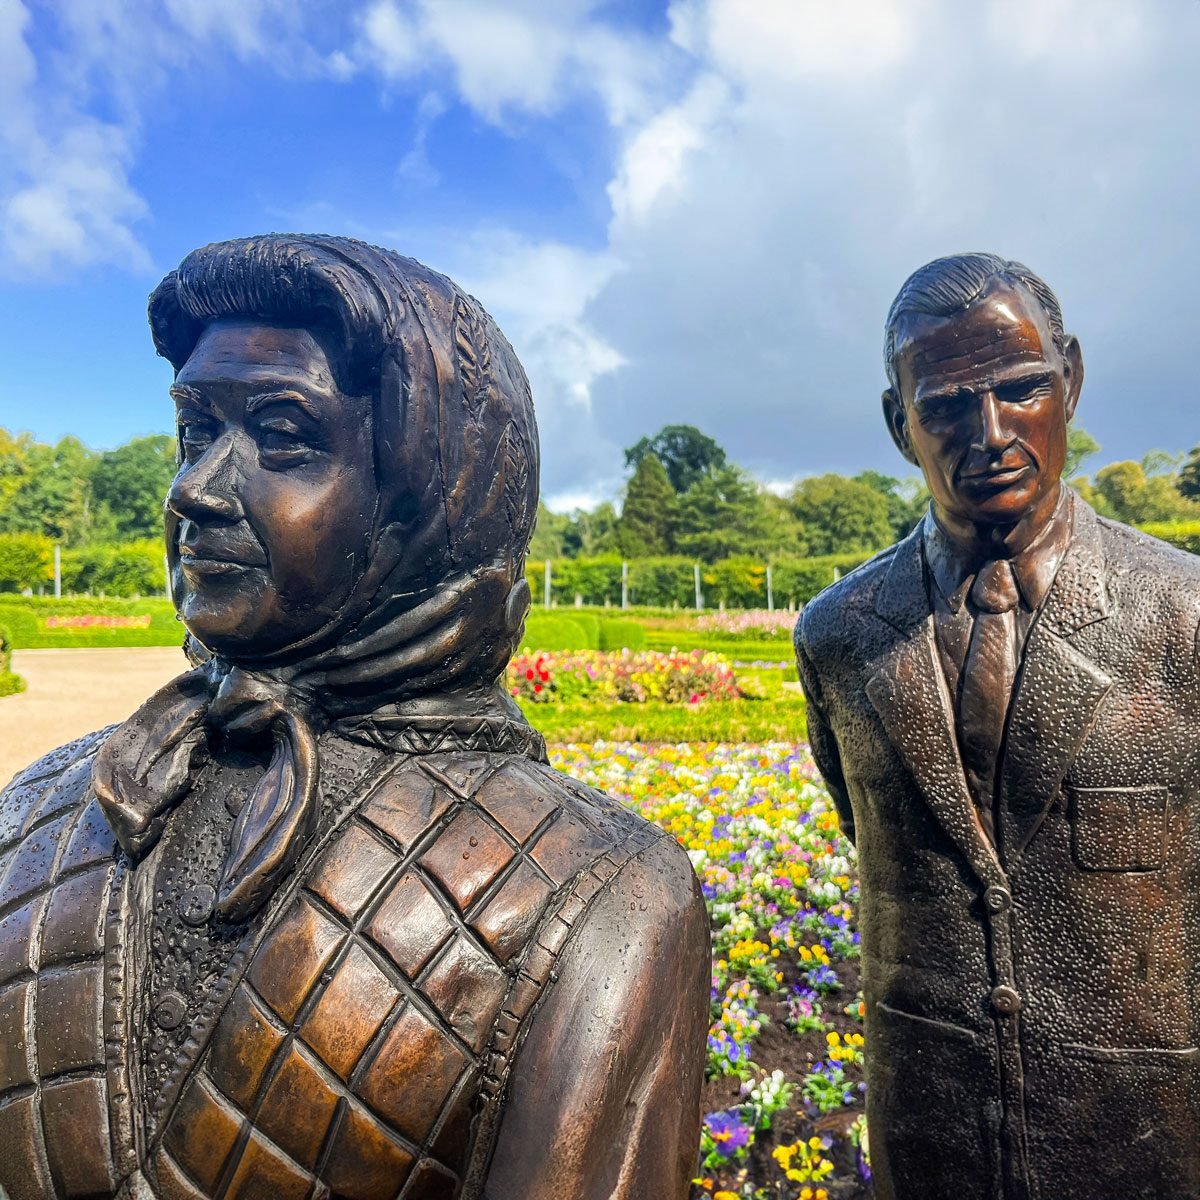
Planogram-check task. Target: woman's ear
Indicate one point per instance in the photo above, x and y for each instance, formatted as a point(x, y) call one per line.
point(897, 422)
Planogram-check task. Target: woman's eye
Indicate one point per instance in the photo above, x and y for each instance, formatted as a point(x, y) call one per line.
point(282, 440)
point(195, 437)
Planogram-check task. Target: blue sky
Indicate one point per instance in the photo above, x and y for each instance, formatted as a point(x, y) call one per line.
point(696, 211)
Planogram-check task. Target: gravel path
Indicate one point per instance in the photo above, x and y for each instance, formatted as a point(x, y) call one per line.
point(71, 692)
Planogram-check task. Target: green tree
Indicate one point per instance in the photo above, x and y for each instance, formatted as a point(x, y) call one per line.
point(131, 483)
point(1080, 446)
point(906, 499)
point(724, 514)
point(548, 531)
point(841, 515)
point(1189, 475)
point(686, 454)
point(590, 533)
point(650, 512)
point(1128, 492)
point(50, 494)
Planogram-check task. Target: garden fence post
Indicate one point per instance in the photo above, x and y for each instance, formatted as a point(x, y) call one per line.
point(696, 580)
point(167, 577)
point(624, 585)
point(57, 571)
point(770, 591)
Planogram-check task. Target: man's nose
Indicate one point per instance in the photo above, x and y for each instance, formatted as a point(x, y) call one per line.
point(990, 434)
point(206, 490)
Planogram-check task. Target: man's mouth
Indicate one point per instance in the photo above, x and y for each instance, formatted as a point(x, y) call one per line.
point(1000, 475)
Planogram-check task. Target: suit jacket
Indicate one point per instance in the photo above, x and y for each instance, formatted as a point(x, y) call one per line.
point(1033, 1006)
point(396, 1025)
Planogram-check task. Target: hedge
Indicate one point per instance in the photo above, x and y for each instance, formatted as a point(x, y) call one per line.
point(9, 682)
point(41, 622)
point(1183, 534)
point(669, 582)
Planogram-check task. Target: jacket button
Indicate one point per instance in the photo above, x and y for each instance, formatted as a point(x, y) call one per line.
point(1005, 1000)
point(196, 904)
point(997, 899)
point(169, 1010)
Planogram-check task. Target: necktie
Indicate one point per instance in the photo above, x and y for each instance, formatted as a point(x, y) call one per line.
point(989, 671)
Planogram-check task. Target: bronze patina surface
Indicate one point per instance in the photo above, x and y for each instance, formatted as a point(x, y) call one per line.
point(319, 920)
point(1006, 708)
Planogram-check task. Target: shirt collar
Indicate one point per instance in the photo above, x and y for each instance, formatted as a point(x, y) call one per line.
point(1035, 567)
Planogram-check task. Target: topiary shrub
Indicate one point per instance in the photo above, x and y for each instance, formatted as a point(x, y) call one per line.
point(9, 683)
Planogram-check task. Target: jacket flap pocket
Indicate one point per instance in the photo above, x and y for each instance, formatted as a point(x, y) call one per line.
point(1119, 828)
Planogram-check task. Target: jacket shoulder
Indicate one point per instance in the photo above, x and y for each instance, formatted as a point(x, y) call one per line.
point(1129, 549)
point(56, 781)
point(827, 620)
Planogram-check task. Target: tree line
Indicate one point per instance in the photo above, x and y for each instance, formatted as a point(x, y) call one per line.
point(684, 499)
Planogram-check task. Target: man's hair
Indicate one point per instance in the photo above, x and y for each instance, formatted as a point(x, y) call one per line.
point(948, 285)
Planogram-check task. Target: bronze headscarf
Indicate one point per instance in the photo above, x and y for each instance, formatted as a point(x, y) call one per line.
point(441, 603)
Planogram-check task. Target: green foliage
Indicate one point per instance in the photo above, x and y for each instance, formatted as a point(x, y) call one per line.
point(1080, 446)
point(132, 569)
point(622, 635)
point(41, 622)
point(686, 454)
point(46, 489)
point(723, 514)
point(906, 499)
point(650, 512)
point(26, 561)
point(548, 531)
point(549, 631)
point(842, 515)
point(1183, 534)
point(778, 719)
point(1140, 492)
point(1189, 475)
point(10, 684)
point(131, 481)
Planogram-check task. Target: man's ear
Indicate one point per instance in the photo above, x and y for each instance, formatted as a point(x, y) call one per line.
point(897, 423)
point(1072, 373)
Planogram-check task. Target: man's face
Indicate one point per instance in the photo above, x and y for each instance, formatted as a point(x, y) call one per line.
point(269, 517)
point(982, 407)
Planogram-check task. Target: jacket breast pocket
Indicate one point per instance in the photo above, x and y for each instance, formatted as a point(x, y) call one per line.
point(1118, 828)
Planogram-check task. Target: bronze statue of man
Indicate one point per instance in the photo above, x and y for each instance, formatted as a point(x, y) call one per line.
point(319, 920)
point(1006, 709)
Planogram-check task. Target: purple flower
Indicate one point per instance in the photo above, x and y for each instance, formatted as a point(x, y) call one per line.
point(728, 1131)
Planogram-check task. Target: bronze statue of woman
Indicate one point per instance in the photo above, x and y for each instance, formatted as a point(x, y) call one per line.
point(319, 920)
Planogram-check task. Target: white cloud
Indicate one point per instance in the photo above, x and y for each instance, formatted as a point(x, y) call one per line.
point(67, 199)
point(518, 56)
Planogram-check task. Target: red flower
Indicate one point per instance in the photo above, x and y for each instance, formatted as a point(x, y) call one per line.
point(529, 673)
point(537, 687)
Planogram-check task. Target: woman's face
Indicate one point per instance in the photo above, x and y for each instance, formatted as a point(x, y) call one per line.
point(269, 518)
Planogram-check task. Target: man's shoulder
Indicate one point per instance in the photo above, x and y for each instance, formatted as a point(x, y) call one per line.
point(56, 781)
point(1128, 549)
point(832, 615)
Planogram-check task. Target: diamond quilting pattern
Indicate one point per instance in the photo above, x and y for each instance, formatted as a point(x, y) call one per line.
point(363, 1026)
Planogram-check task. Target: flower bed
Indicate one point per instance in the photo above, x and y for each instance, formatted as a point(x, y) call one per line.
point(784, 1087)
point(626, 676)
point(756, 623)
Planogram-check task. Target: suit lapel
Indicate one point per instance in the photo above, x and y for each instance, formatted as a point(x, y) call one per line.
point(908, 691)
point(1057, 693)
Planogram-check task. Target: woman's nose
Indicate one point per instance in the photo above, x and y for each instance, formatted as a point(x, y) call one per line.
point(206, 490)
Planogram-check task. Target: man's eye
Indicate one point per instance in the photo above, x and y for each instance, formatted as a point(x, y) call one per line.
point(1023, 393)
